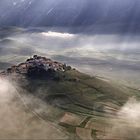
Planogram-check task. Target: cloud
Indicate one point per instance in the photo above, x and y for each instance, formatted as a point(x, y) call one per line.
point(57, 34)
point(19, 117)
point(127, 123)
point(92, 16)
point(106, 55)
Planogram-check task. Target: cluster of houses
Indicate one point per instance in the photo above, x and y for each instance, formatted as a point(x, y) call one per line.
point(37, 62)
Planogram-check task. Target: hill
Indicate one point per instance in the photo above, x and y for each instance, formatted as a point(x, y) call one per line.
point(81, 105)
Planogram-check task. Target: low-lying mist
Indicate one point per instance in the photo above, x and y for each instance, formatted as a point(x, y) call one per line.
point(112, 56)
point(126, 125)
point(18, 120)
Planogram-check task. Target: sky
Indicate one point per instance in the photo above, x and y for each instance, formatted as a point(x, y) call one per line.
point(93, 16)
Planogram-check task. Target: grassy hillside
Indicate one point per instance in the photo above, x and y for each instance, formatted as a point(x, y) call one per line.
point(82, 105)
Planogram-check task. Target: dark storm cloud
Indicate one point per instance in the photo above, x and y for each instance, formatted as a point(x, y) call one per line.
point(96, 16)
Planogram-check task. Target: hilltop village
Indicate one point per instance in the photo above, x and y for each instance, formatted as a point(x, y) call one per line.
point(37, 65)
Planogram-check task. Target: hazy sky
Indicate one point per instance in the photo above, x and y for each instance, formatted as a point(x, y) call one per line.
point(97, 16)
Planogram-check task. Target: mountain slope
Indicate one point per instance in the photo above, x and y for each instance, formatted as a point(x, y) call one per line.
point(81, 104)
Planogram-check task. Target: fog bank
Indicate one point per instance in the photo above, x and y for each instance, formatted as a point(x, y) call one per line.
point(127, 123)
point(17, 121)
